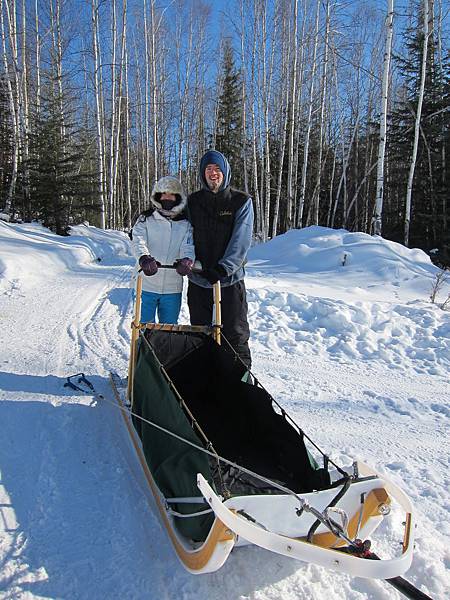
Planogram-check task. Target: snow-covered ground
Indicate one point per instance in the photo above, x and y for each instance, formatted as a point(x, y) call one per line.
point(355, 352)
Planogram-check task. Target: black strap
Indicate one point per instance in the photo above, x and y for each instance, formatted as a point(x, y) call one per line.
point(335, 500)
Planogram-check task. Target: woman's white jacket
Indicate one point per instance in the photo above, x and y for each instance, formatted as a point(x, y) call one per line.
point(166, 240)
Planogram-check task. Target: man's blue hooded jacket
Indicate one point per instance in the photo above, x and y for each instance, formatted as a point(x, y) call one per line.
point(222, 222)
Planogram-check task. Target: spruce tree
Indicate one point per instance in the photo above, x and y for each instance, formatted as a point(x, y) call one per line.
point(229, 135)
point(62, 185)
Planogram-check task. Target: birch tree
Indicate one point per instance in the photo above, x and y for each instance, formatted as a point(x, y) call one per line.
point(98, 111)
point(292, 120)
point(389, 24)
point(412, 167)
point(13, 107)
point(306, 140)
point(315, 201)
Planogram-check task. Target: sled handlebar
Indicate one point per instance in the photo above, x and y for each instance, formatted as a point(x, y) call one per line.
point(174, 266)
point(162, 267)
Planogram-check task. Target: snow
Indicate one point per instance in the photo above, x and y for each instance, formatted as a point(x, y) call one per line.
point(343, 335)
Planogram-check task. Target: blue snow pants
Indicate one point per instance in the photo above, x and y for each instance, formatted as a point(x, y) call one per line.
point(167, 306)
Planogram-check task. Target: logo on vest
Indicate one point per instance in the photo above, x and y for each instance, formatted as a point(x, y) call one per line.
point(225, 213)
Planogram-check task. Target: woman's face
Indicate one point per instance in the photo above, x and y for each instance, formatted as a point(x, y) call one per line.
point(167, 196)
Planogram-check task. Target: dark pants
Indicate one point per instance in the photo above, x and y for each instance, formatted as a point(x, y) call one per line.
point(234, 314)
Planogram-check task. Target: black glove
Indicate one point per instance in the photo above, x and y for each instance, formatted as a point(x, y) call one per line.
point(183, 266)
point(148, 264)
point(213, 275)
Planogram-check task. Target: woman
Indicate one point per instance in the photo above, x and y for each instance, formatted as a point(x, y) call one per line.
point(162, 235)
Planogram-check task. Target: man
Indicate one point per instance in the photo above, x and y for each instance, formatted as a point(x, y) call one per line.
point(222, 218)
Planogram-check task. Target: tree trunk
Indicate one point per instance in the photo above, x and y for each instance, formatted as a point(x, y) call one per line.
point(292, 120)
point(378, 216)
point(301, 203)
point(417, 124)
point(316, 193)
point(13, 98)
point(98, 113)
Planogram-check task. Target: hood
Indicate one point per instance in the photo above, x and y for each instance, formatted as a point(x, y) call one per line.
point(170, 185)
point(214, 157)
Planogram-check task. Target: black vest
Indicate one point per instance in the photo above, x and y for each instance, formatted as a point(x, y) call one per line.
point(212, 217)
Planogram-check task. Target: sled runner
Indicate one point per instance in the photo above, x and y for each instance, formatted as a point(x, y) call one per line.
point(228, 467)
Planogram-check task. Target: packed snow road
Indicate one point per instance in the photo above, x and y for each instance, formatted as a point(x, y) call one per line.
point(75, 520)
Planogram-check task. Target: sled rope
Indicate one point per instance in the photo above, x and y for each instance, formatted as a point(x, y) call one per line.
point(334, 527)
point(174, 513)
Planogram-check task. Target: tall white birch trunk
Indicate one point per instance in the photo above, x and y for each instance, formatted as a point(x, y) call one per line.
point(301, 203)
point(255, 111)
point(146, 148)
point(284, 125)
point(98, 113)
point(128, 145)
point(38, 58)
point(244, 95)
point(112, 133)
point(316, 192)
point(297, 130)
point(267, 87)
point(115, 158)
point(378, 215)
point(59, 66)
point(13, 97)
point(154, 91)
point(444, 166)
point(25, 108)
point(184, 67)
point(412, 167)
point(292, 120)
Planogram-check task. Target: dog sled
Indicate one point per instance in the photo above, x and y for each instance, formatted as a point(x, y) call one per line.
point(228, 467)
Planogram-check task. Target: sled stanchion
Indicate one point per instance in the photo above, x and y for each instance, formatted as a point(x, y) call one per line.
point(217, 315)
point(134, 338)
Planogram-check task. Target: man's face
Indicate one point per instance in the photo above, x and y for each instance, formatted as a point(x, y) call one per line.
point(214, 177)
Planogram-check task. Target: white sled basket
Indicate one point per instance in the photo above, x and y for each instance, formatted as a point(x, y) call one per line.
point(271, 522)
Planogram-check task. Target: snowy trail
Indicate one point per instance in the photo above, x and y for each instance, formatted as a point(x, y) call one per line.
point(75, 520)
point(57, 478)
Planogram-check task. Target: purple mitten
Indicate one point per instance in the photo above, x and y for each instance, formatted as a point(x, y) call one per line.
point(184, 266)
point(148, 264)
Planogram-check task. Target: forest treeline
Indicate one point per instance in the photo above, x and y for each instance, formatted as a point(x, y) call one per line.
point(331, 113)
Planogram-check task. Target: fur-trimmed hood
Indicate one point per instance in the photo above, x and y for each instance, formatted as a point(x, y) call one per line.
point(169, 185)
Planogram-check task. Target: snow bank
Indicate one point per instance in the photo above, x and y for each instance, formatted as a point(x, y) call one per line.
point(319, 250)
point(107, 245)
point(342, 265)
point(374, 308)
point(30, 251)
point(414, 336)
